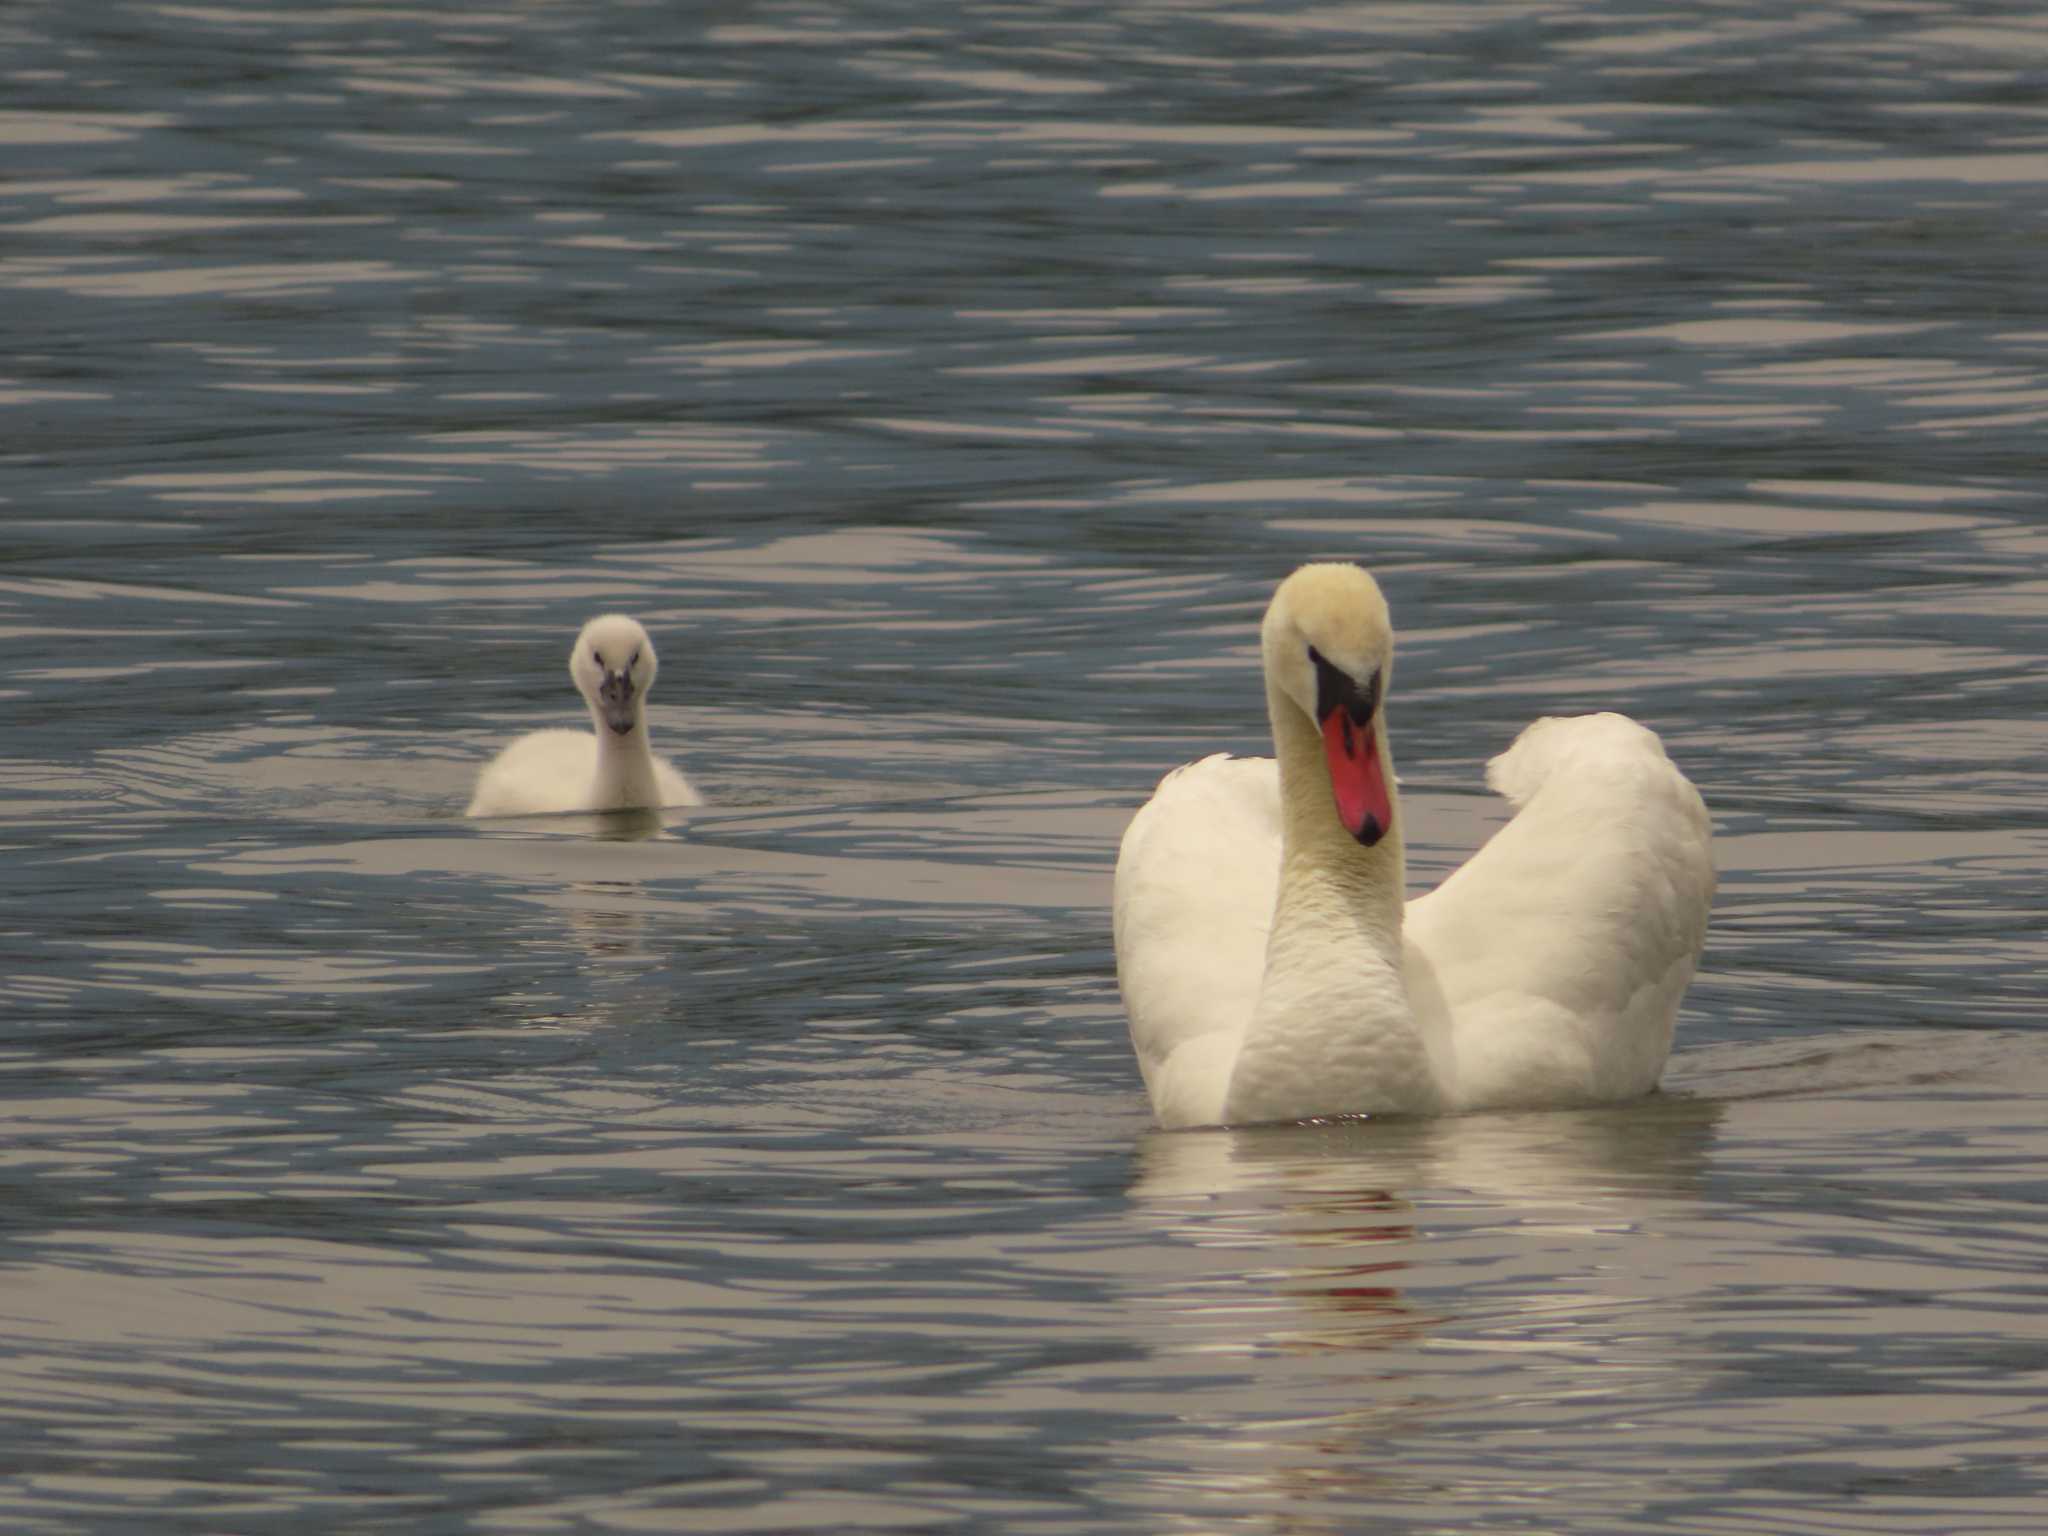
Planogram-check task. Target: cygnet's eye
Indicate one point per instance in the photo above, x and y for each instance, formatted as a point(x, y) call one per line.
point(634, 662)
point(597, 656)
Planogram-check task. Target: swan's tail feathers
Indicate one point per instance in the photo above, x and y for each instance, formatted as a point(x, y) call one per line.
point(1582, 746)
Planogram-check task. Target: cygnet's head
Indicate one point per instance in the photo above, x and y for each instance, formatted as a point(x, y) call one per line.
point(1328, 646)
point(613, 665)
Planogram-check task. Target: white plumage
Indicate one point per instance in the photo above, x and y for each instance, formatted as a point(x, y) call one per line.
point(612, 766)
point(1273, 970)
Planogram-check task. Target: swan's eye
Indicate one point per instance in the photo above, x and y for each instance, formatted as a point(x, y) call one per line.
point(1315, 657)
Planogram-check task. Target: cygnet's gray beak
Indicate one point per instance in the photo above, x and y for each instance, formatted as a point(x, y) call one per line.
point(615, 701)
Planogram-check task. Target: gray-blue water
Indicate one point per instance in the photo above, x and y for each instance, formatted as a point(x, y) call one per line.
point(946, 387)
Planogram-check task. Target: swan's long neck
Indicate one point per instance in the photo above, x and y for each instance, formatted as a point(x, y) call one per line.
point(1333, 1024)
point(625, 765)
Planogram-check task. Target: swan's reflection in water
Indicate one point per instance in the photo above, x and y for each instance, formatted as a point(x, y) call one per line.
point(616, 924)
point(1321, 1232)
point(627, 826)
point(1378, 1283)
point(1653, 1145)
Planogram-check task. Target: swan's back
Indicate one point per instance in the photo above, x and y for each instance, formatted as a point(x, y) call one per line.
point(1196, 879)
point(554, 771)
point(1554, 959)
point(540, 772)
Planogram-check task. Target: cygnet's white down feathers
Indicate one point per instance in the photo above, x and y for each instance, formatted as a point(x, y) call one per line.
point(610, 767)
point(1273, 970)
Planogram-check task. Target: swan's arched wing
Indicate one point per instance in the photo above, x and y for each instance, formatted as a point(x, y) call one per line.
point(1553, 960)
point(1196, 879)
point(675, 788)
point(542, 771)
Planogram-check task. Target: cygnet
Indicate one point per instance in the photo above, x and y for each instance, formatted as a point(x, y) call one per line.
point(609, 768)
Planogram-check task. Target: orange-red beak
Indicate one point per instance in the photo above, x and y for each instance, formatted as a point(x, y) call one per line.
point(1346, 712)
point(1356, 777)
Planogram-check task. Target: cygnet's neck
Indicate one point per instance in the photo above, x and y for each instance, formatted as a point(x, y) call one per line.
point(625, 765)
point(1332, 1031)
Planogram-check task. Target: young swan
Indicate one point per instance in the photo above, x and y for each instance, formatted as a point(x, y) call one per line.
point(1273, 969)
point(610, 768)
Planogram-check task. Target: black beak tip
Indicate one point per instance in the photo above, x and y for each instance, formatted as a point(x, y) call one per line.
point(1371, 832)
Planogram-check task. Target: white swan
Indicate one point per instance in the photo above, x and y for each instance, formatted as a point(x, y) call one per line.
point(608, 768)
point(1272, 969)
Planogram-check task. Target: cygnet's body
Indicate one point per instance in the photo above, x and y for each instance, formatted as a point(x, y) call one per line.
point(609, 768)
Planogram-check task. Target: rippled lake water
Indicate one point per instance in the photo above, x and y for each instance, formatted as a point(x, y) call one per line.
point(946, 388)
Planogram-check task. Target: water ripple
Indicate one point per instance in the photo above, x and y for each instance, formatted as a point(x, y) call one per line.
point(947, 392)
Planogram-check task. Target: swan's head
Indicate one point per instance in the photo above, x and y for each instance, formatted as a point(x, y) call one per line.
point(1328, 645)
point(613, 665)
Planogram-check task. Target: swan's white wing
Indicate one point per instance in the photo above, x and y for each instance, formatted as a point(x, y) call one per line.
point(1554, 959)
point(547, 772)
point(542, 771)
point(1196, 879)
point(675, 788)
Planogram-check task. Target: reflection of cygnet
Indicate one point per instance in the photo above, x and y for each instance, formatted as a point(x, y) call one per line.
point(610, 769)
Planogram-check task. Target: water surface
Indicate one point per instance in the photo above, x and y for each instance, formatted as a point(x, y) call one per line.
point(946, 391)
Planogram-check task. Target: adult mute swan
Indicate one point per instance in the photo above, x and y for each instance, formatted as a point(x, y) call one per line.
point(609, 768)
point(1273, 970)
